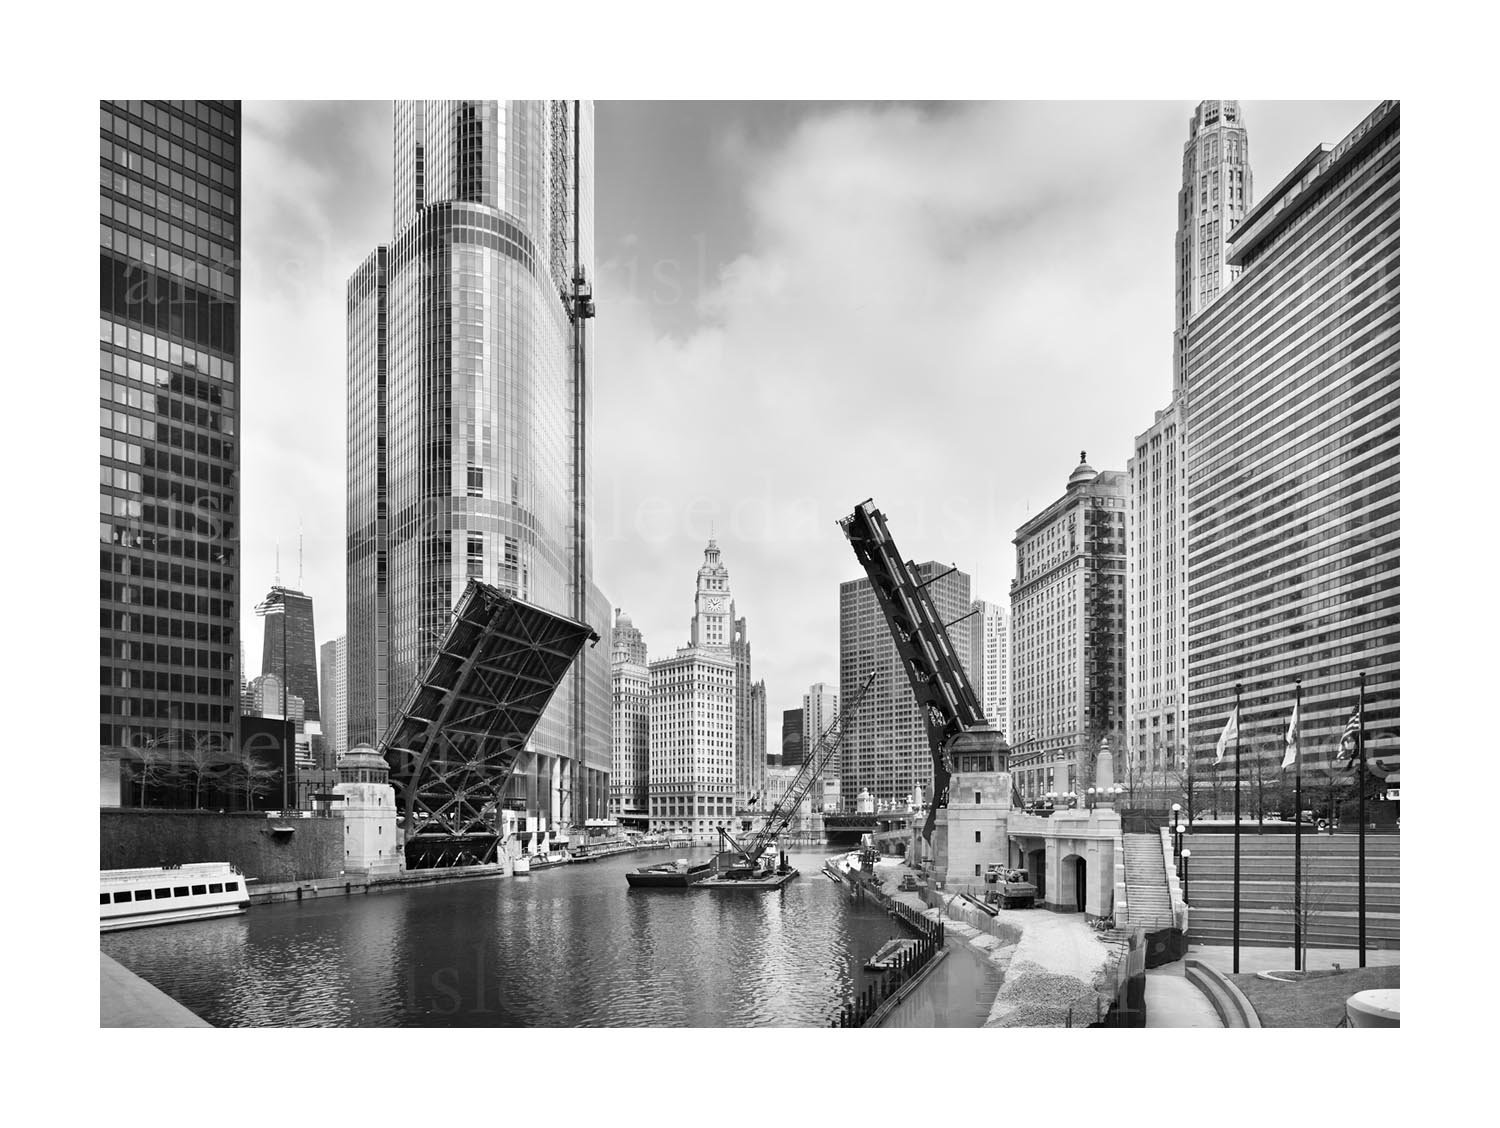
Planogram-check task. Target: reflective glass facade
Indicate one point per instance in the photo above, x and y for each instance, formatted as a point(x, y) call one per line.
point(169, 588)
point(468, 452)
point(1293, 460)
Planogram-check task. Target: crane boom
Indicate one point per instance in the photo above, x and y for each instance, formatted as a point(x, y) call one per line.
point(812, 767)
point(944, 696)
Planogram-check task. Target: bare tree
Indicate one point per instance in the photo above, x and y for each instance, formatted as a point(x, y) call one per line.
point(1319, 895)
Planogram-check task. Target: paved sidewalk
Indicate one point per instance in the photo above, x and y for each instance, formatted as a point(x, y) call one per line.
point(1174, 1003)
point(1220, 957)
point(125, 999)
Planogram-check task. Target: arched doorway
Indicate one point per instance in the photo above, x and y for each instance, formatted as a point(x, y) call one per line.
point(1036, 865)
point(1072, 885)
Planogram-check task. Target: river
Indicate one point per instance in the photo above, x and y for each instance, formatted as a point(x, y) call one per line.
point(568, 946)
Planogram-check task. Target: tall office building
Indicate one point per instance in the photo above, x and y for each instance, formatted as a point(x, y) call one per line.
point(989, 657)
point(1217, 190)
point(792, 746)
point(469, 394)
point(745, 772)
point(169, 456)
point(693, 767)
point(629, 774)
point(758, 739)
point(885, 749)
point(1067, 606)
point(819, 706)
point(269, 697)
point(1215, 195)
point(1155, 606)
point(333, 682)
point(1293, 461)
point(288, 649)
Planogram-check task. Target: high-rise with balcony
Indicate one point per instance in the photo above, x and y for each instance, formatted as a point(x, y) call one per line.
point(885, 749)
point(469, 407)
point(169, 455)
point(1293, 461)
point(1067, 607)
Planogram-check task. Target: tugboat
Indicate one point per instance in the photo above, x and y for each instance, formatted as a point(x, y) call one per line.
point(669, 875)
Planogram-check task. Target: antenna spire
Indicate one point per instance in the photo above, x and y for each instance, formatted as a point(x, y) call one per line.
point(278, 564)
point(299, 554)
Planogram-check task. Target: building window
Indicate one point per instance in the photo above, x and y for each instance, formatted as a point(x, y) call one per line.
point(976, 836)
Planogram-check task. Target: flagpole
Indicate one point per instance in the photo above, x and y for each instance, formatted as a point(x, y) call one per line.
point(1237, 830)
point(1359, 736)
point(1297, 834)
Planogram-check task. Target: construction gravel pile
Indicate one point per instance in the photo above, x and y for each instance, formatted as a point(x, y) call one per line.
point(1058, 969)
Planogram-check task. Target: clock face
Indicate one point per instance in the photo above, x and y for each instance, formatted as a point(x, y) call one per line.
point(714, 603)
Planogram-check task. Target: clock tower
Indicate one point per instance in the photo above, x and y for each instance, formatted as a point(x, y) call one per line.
point(713, 608)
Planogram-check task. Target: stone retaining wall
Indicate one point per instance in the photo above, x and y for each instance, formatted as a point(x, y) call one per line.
point(129, 839)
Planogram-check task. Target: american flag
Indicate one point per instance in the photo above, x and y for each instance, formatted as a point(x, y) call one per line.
point(1347, 749)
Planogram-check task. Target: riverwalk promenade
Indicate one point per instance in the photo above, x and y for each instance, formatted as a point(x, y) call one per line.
point(127, 1000)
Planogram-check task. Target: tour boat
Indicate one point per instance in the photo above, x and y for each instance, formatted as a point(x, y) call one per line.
point(669, 875)
point(521, 864)
point(132, 898)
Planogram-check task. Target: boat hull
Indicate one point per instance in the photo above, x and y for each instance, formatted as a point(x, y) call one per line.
point(651, 878)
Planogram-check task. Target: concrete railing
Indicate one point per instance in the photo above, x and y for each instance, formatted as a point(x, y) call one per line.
point(1234, 1010)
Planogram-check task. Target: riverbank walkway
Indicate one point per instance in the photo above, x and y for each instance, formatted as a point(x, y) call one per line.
point(127, 1000)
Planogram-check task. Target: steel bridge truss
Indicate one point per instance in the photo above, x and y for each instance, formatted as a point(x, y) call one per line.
point(944, 696)
point(463, 727)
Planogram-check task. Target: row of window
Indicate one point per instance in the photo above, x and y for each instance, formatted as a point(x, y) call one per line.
point(168, 892)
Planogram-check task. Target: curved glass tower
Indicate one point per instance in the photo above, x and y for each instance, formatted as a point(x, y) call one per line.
point(469, 406)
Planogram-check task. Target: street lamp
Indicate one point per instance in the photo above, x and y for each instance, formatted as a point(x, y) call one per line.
point(1177, 844)
point(1186, 854)
point(1091, 799)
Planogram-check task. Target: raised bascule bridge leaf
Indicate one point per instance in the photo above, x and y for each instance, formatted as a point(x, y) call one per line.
point(463, 727)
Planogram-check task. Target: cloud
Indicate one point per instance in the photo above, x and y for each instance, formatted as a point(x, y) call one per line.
point(939, 309)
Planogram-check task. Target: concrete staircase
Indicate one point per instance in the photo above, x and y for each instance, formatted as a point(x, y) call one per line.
point(1150, 905)
point(1330, 880)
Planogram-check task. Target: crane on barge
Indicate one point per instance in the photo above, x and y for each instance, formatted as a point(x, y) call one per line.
point(785, 810)
point(951, 712)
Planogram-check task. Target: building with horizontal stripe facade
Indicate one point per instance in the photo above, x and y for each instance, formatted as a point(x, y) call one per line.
point(170, 225)
point(1293, 461)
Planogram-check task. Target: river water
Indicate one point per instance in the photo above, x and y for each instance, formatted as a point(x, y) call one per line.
point(569, 946)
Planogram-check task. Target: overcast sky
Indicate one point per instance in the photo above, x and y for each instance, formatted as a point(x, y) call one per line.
point(800, 305)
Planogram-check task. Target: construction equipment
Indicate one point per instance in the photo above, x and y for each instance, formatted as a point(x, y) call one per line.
point(950, 709)
point(1015, 889)
point(812, 767)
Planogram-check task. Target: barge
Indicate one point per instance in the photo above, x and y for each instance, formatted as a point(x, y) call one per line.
point(669, 875)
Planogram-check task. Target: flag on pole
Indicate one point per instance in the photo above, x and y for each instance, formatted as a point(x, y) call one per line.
point(1347, 743)
point(1231, 731)
point(1292, 735)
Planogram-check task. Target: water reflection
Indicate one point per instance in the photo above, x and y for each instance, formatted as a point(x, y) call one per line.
point(572, 946)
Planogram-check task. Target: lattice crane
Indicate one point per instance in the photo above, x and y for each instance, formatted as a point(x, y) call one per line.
point(812, 767)
point(950, 709)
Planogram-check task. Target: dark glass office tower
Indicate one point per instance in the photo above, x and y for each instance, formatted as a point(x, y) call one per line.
point(169, 281)
point(469, 404)
point(290, 651)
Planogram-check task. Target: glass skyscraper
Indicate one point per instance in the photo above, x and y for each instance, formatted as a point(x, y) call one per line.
point(469, 406)
point(169, 458)
point(1293, 461)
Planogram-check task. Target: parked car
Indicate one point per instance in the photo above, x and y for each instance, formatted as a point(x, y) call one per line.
point(908, 884)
